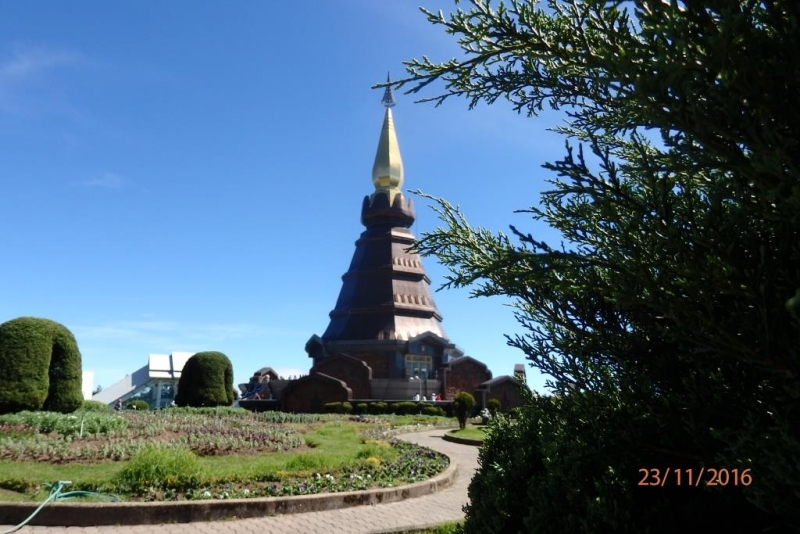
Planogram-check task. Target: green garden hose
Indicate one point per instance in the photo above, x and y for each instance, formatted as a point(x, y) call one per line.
point(57, 495)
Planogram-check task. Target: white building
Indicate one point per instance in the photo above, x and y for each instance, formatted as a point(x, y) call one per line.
point(87, 384)
point(156, 383)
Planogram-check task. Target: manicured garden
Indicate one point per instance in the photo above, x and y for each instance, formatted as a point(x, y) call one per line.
point(474, 433)
point(209, 453)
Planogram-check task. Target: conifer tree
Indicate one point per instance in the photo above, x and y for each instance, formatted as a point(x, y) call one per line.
point(669, 321)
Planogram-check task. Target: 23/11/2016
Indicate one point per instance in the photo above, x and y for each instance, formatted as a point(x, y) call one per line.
point(695, 477)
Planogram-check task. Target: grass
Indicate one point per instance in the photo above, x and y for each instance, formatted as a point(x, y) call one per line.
point(332, 454)
point(446, 528)
point(470, 432)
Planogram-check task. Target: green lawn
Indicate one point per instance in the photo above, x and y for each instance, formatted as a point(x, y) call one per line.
point(325, 453)
point(477, 433)
point(447, 528)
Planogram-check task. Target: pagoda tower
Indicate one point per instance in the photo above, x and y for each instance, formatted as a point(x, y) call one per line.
point(385, 315)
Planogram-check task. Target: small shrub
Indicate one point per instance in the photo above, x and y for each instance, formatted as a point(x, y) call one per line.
point(162, 468)
point(405, 408)
point(462, 405)
point(346, 407)
point(361, 408)
point(218, 410)
point(95, 406)
point(333, 407)
point(433, 411)
point(493, 405)
point(484, 416)
point(377, 408)
point(137, 404)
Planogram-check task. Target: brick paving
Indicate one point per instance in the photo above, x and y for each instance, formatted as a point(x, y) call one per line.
point(440, 507)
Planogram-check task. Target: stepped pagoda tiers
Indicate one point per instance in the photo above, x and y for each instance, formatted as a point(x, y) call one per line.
point(385, 340)
point(385, 315)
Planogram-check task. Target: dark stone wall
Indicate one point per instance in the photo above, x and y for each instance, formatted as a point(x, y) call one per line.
point(465, 374)
point(379, 363)
point(508, 393)
point(354, 372)
point(310, 393)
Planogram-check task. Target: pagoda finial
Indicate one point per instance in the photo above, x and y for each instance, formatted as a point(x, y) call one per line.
point(388, 97)
point(387, 172)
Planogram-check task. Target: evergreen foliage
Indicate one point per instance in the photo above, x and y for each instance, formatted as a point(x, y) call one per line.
point(40, 367)
point(669, 319)
point(405, 407)
point(493, 405)
point(433, 411)
point(137, 404)
point(376, 408)
point(95, 406)
point(206, 380)
point(462, 406)
point(338, 407)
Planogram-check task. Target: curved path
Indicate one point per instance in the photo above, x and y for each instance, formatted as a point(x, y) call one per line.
point(440, 507)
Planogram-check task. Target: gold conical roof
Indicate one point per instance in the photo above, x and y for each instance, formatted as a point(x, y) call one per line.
point(387, 172)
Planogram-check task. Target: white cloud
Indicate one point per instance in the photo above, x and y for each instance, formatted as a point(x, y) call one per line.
point(23, 68)
point(27, 62)
point(107, 180)
point(170, 335)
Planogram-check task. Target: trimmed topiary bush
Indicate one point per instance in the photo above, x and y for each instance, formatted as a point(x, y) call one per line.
point(95, 406)
point(137, 404)
point(361, 408)
point(338, 407)
point(40, 367)
point(433, 411)
point(462, 406)
point(493, 405)
point(376, 408)
point(405, 408)
point(333, 407)
point(206, 380)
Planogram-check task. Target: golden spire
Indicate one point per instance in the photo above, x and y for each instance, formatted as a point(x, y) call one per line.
point(387, 172)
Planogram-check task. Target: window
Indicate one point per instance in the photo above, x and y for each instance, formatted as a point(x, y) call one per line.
point(419, 365)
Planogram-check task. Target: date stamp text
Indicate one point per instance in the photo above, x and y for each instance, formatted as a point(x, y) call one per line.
point(707, 476)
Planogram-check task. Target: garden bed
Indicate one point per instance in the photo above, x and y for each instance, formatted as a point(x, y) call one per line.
point(190, 454)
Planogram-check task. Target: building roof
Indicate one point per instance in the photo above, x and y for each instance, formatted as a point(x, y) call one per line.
point(385, 293)
point(159, 367)
point(489, 384)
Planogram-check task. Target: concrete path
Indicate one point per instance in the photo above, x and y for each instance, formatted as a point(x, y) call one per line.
point(421, 512)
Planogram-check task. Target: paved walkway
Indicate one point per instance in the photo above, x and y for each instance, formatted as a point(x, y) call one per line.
point(425, 511)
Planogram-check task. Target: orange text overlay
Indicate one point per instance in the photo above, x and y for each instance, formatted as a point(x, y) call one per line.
point(703, 476)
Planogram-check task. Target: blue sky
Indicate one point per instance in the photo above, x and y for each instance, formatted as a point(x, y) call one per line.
point(188, 175)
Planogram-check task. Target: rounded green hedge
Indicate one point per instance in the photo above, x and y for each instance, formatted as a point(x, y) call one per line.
point(40, 367)
point(137, 404)
point(206, 380)
point(95, 406)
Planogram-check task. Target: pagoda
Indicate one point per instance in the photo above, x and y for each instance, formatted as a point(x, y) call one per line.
point(384, 340)
point(385, 315)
